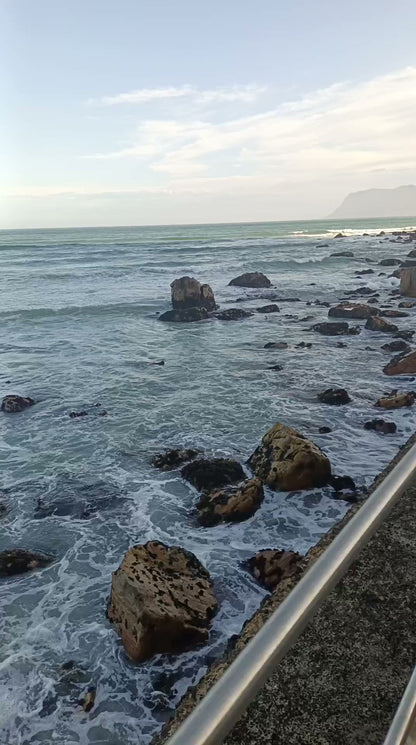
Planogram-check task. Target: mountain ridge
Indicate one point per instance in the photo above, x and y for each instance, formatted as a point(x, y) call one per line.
point(397, 202)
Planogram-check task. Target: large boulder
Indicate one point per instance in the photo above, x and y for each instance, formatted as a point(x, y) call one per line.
point(12, 404)
point(208, 474)
point(19, 560)
point(174, 458)
point(335, 329)
point(352, 310)
point(187, 292)
point(272, 566)
point(231, 503)
point(402, 364)
point(251, 279)
point(186, 315)
point(378, 324)
point(396, 400)
point(286, 460)
point(334, 396)
point(408, 282)
point(162, 600)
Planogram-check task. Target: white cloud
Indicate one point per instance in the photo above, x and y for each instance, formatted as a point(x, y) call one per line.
point(244, 93)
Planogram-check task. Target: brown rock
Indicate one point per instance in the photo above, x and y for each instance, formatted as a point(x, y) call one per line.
point(232, 503)
point(335, 329)
point(408, 281)
point(251, 279)
point(396, 401)
point(352, 310)
point(394, 314)
point(187, 292)
point(271, 566)
point(286, 460)
point(378, 324)
point(402, 364)
point(161, 601)
point(12, 404)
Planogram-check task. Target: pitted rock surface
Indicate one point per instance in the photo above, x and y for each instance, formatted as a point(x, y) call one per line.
point(162, 600)
point(286, 460)
point(231, 504)
point(271, 566)
point(396, 400)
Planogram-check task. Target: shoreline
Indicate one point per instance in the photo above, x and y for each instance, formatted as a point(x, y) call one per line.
point(269, 604)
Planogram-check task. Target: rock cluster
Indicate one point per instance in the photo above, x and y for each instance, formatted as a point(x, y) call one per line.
point(231, 503)
point(162, 600)
point(270, 566)
point(191, 301)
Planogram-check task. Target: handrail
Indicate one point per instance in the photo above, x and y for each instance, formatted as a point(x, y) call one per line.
point(215, 715)
point(405, 715)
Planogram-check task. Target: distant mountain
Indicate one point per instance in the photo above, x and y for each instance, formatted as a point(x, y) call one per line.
point(400, 202)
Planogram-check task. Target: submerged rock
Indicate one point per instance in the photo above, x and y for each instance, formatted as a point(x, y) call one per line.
point(396, 400)
point(341, 254)
point(407, 304)
point(172, 459)
point(273, 308)
point(334, 396)
point(12, 404)
point(335, 329)
point(394, 314)
point(231, 503)
point(379, 324)
point(352, 310)
point(187, 292)
point(19, 560)
point(402, 364)
point(324, 430)
point(186, 315)
point(162, 601)
point(251, 279)
point(380, 425)
point(396, 346)
point(276, 345)
point(233, 314)
point(390, 262)
point(276, 368)
point(286, 460)
point(209, 474)
point(272, 566)
point(76, 414)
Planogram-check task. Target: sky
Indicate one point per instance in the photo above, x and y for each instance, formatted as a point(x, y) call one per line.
point(135, 112)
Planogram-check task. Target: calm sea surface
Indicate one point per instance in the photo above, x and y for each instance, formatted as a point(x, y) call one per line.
point(78, 311)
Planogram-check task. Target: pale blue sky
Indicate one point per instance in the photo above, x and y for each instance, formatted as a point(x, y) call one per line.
point(135, 112)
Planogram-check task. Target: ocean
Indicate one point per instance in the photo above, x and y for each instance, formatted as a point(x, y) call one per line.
point(79, 314)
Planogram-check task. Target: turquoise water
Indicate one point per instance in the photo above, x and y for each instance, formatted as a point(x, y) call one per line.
point(79, 327)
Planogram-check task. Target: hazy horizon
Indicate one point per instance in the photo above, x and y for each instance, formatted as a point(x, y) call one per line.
point(163, 115)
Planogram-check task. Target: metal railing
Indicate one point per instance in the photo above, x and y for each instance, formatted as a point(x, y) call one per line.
point(405, 717)
point(215, 715)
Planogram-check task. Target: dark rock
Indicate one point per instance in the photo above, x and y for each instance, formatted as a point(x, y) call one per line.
point(268, 309)
point(287, 461)
point(364, 271)
point(396, 346)
point(372, 300)
point(270, 566)
point(335, 329)
point(232, 314)
point(352, 310)
point(172, 459)
point(161, 363)
point(402, 364)
point(324, 430)
point(251, 279)
point(334, 396)
point(76, 414)
point(340, 235)
point(186, 315)
point(380, 425)
point(13, 404)
point(322, 245)
point(390, 262)
point(341, 344)
point(162, 601)
point(303, 345)
point(407, 304)
point(412, 254)
point(231, 503)
point(187, 292)
point(361, 291)
point(276, 368)
point(394, 314)
point(210, 474)
point(342, 483)
point(379, 324)
point(276, 345)
point(406, 335)
point(18, 561)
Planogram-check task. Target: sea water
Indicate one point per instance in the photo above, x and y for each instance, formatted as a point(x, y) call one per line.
point(80, 331)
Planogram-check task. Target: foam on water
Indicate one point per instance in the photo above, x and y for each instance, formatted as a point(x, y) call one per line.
point(80, 327)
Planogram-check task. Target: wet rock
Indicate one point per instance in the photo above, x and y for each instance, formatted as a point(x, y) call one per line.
point(231, 503)
point(396, 400)
point(364, 271)
point(341, 344)
point(407, 304)
point(380, 425)
point(162, 601)
point(412, 254)
point(303, 345)
point(341, 235)
point(251, 279)
point(335, 329)
point(324, 430)
point(286, 460)
point(322, 245)
point(187, 292)
point(352, 310)
point(209, 474)
point(174, 458)
point(12, 404)
point(19, 560)
point(396, 346)
point(408, 282)
point(76, 414)
point(276, 368)
point(3, 509)
point(276, 345)
point(341, 254)
point(343, 484)
point(394, 314)
point(272, 566)
point(372, 300)
point(406, 335)
point(186, 315)
point(379, 324)
point(87, 702)
point(160, 363)
point(361, 291)
point(268, 309)
point(402, 364)
point(334, 396)
point(233, 314)
point(390, 262)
